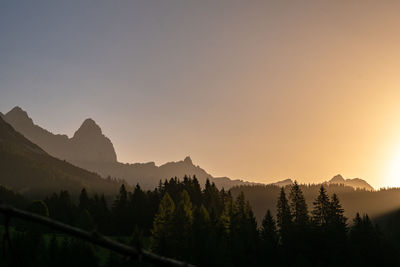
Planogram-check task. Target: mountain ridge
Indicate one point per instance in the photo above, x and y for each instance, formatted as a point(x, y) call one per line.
point(356, 183)
point(90, 149)
point(28, 169)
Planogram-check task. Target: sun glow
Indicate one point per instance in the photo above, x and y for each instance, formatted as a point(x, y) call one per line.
point(393, 175)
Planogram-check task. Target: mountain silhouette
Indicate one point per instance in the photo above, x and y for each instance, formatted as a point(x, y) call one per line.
point(91, 150)
point(28, 169)
point(356, 183)
point(283, 183)
point(87, 144)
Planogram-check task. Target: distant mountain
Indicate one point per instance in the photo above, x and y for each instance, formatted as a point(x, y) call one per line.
point(356, 183)
point(87, 144)
point(91, 150)
point(283, 183)
point(28, 169)
point(374, 203)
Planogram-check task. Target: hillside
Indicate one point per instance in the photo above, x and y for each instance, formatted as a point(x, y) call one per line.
point(28, 169)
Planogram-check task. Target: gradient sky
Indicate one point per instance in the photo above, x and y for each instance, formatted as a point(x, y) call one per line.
point(256, 90)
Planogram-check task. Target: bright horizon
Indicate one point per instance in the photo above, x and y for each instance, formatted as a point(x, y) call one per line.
point(261, 92)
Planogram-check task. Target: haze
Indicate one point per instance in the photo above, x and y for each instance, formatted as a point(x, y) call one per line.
point(260, 90)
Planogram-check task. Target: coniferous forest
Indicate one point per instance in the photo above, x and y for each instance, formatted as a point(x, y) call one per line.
point(203, 226)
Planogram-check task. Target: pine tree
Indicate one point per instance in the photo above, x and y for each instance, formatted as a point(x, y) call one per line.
point(84, 200)
point(163, 226)
point(202, 231)
point(244, 234)
point(121, 216)
point(182, 227)
point(269, 240)
point(322, 209)
point(138, 207)
point(269, 232)
point(298, 206)
point(337, 217)
point(336, 233)
point(284, 218)
point(365, 242)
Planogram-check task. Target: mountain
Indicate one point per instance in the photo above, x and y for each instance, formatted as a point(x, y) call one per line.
point(87, 144)
point(91, 150)
point(28, 169)
point(356, 183)
point(283, 183)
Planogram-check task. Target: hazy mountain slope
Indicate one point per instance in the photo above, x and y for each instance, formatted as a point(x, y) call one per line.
point(149, 174)
point(375, 203)
point(283, 182)
point(356, 182)
point(87, 144)
point(90, 149)
point(28, 169)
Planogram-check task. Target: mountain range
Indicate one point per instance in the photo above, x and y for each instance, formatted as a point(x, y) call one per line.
point(356, 183)
point(90, 149)
point(28, 169)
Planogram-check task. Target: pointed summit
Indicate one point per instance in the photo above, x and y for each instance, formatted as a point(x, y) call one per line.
point(88, 128)
point(18, 116)
point(337, 179)
point(91, 145)
point(188, 160)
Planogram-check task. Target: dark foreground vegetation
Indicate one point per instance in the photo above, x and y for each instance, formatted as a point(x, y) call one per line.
point(206, 227)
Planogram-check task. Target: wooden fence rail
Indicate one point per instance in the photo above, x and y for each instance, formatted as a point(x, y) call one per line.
point(92, 237)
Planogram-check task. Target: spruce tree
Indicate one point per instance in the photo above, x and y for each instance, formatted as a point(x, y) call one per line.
point(84, 200)
point(298, 206)
point(337, 215)
point(163, 226)
point(244, 234)
point(182, 227)
point(269, 240)
point(284, 218)
point(268, 232)
point(322, 209)
point(120, 211)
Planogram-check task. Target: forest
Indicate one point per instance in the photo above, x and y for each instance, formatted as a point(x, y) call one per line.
point(204, 226)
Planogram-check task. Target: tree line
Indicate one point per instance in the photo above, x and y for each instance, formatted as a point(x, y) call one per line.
point(206, 227)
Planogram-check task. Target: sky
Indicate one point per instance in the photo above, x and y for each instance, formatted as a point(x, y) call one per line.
point(253, 90)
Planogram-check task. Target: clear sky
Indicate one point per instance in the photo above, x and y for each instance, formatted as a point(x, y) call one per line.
point(256, 90)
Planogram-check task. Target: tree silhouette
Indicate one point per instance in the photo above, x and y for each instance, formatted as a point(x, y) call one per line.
point(322, 209)
point(269, 240)
point(284, 219)
point(163, 226)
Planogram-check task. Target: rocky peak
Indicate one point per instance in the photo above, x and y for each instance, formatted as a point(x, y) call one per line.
point(91, 145)
point(188, 161)
point(89, 128)
point(337, 179)
point(19, 116)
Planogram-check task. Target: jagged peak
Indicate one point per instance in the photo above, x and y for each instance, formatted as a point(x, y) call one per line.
point(337, 179)
point(188, 160)
point(17, 113)
point(89, 126)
